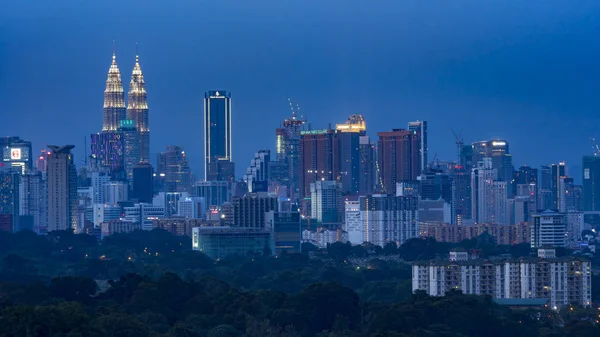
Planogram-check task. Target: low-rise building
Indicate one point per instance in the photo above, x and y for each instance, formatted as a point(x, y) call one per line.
point(179, 225)
point(504, 235)
point(222, 241)
point(119, 226)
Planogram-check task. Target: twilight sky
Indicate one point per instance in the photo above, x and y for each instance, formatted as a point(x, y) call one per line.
point(527, 71)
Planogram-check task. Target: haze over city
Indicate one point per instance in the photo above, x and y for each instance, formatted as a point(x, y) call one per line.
point(524, 71)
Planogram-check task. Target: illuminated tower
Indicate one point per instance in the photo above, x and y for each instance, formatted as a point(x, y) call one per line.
point(218, 165)
point(137, 109)
point(114, 99)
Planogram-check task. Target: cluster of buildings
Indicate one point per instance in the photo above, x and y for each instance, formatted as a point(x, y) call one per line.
point(561, 281)
point(332, 184)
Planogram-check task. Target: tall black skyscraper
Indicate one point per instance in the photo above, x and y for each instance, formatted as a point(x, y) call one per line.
point(525, 175)
point(143, 184)
point(591, 183)
point(218, 163)
point(421, 128)
point(349, 152)
point(558, 171)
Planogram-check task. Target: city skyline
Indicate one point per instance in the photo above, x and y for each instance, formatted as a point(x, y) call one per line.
point(419, 86)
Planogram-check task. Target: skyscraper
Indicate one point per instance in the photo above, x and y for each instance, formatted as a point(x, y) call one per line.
point(558, 172)
point(287, 150)
point(32, 203)
point(318, 158)
point(217, 134)
point(137, 109)
point(17, 153)
point(488, 195)
point(143, 183)
point(591, 183)
point(107, 148)
point(498, 151)
point(9, 199)
point(114, 98)
point(178, 176)
point(130, 138)
point(62, 189)
point(366, 182)
point(326, 203)
point(257, 174)
point(421, 128)
point(398, 157)
point(545, 198)
point(349, 136)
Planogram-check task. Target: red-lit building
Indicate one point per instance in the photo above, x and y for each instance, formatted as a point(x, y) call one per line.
point(399, 157)
point(319, 158)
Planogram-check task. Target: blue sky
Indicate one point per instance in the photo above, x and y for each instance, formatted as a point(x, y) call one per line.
point(527, 71)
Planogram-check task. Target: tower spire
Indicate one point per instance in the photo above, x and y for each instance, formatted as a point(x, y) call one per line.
point(114, 51)
point(114, 100)
point(137, 106)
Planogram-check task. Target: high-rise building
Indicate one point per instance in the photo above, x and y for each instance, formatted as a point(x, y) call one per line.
point(461, 188)
point(137, 109)
point(488, 195)
point(388, 218)
point(115, 192)
point(366, 182)
point(107, 148)
point(216, 193)
point(9, 198)
point(525, 175)
point(591, 183)
point(326, 203)
point(62, 189)
point(398, 157)
point(318, 158)
point(173, 163)
point(349, 135)
point(98, 180)
point(41, 163)
point(143, 214)
point(548, 229)
point(257, 174)
point(501, 160)
point(217, 134)
point(114, 99)
point(287, 150)
point(32, 200)
point(352, 223)
point(421, 128)
point(143, 183)
point(558, 171)
point(131, 147)
point(17, 153)
point(545, 197)
point(249, 210)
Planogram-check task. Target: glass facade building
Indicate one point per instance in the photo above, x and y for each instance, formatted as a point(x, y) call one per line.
point(217, 130)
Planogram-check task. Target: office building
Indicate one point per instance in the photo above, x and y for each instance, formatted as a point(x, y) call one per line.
point(349, 135)
point(435, 211)
point(421, 128)
point(100, 213)
point(461, 193)
point(98, 180)
point(484, 188)
point(591, 183)
point(113, 110)
point(249, 210)
point(137, 110)
point(435, 185)
point(557, 173)
point(143, 214)
point(9, 198)
point(388, 218)
point(367, 171)
point(41, 163)
point(525, 175)
point(398, 158)
point(562, 281)
point(501, 160)
point(170, 201)
point(257, 174)
point(173, 163)
point(286, 230)
point(115, 192)
point(142, 187)
point(318, 158)
point(62, 189)
point(32, 200)
point(548, 229)
point(192, 208)
point(326, 203)
point(178, 226)
point(216, 193)
point(130, 138)
point(217, 136)
point(17, 153)
point(222, 241)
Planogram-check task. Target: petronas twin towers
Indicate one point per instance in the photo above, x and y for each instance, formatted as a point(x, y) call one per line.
point(114, 110)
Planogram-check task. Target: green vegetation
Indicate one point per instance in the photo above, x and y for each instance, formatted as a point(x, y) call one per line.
point(152, 284)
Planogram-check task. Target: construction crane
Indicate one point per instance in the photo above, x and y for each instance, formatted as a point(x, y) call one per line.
point(458, 140)
point(595, 147)
point(292, 107)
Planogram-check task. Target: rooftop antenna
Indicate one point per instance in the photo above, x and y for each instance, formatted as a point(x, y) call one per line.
point(137, 52)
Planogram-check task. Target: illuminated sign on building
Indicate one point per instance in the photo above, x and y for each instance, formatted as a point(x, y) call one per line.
point(498, 143)
point(314, 132)
point(15, 154)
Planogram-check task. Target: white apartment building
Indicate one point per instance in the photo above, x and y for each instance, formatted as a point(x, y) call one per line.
point(144, 214)
point(562, 280)
point(386, 218)
point(352, 224)
point(548, 229)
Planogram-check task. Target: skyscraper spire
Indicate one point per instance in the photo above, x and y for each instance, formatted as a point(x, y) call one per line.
point(114, 98)
point(137, 107)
